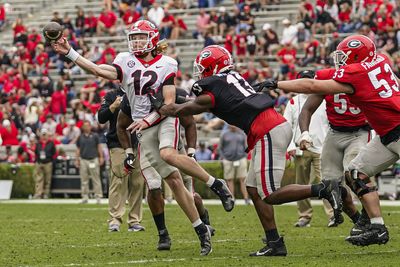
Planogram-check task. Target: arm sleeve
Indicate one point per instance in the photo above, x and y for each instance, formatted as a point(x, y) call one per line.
point(105, 113)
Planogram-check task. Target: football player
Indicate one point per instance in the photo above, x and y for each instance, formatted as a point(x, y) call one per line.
point(142, 71)
point(226, 94)
point(348, 132)
point(155, 197)
point(368, 80)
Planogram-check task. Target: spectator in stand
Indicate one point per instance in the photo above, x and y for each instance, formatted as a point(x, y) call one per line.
point(131, 15)
point(45, 86)
point(311, 50)
point(240, 43)
point(179, 28)
point(45, 153)
point(324, 22)
point(229, 40)
point(67, 22)
point(289, 33)
point(203, 24)
point(208, 39)
point(58, 104)
point(41, 59)
point(19, 31)
point(22, 155)
point(286, 58)
point(303, 35)
point(56, 18)
point(251, 44)
point(2, 16)
point(232, 146)
point(108, 51)
point(187, 82)
point(62, 124)
point(71, 133)
point(31, 116)
point(156, 14)
point(269, 42)
point(91, 24)
point(49, 125)
point(9, 133)
point(203, 153)
point(106, 23)
point(224, 21)
point(166, 25)
point(345, 23)
point(80, 22)
point(246, 20)
point(332, 8)
point(88, 90)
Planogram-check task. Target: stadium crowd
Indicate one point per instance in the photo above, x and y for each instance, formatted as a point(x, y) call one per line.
point(30, 99)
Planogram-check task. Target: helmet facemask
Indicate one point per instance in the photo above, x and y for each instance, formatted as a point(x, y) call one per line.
point(198, 70)
point(340, 58)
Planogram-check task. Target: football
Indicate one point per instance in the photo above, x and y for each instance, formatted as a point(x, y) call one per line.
point(52, 31)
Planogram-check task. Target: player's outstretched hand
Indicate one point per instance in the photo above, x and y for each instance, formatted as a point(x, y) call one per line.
point(61, 46)
point(269, 84)
point(157, 100)
point(137, 126)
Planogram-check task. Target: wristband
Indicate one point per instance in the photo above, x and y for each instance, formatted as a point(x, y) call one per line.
point(191, 150)
point(72, 54)
point(129, 151)
point(306, 137)
point(152, 118)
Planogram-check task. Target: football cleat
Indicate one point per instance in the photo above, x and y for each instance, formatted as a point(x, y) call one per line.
point(164, 242)
point(205, 242)
point(303, 223)
point(331, 192)
point(373, 234)
point(220, 188)
point(273, 248)
point(335, 222)
point(361, 225)
point(113, 228)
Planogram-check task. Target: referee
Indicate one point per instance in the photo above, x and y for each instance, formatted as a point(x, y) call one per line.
point(123, 186)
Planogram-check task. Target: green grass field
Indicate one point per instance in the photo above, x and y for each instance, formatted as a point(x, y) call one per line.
point(76, 235)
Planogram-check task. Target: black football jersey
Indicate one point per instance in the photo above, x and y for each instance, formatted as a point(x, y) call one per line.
point(236, 102)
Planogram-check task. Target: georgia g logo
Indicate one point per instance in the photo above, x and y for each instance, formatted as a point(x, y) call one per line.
point(354, 43)
point(205, 54)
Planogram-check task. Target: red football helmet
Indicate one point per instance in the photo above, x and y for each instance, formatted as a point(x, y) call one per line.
point(354, 49)
point(212, 60)
point(150, 43)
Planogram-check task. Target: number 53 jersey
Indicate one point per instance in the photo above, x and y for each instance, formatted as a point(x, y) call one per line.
point(376, 92)
point(139, 78)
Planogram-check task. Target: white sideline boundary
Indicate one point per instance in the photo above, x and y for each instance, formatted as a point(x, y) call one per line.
point(239, 202)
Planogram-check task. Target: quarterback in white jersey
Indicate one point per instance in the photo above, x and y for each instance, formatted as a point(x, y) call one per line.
point(143, 72)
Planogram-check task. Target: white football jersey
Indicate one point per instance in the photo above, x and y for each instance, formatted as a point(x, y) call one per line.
point(139, 78)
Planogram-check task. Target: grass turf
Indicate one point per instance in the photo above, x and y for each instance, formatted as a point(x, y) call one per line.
point(76, 235)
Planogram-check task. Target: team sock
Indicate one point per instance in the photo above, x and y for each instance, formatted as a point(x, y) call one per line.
point(159, 219)
point(355, 216)
point(272, 235)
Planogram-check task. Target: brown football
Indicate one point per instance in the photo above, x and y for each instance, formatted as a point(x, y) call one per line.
point(52, 31)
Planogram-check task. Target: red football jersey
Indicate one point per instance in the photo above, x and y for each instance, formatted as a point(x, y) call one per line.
point(339, 110)
point(376, 92)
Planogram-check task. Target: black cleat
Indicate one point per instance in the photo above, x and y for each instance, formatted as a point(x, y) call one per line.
point(334, 222)
point(331, 192)
point(205, 218)
point(220, 188)
point(164, 242)
point(361, 225)
point(373, 234)
point(273, 248)
point(205, 242)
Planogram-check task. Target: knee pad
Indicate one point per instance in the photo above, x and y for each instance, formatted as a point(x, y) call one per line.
point(357, 185)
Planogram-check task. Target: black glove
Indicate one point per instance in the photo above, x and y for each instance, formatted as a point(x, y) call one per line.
point(269, 84)
point(157, 100)
point(129, 162)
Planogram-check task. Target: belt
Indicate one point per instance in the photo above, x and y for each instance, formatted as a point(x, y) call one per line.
point(350, 129)
point(392, 136)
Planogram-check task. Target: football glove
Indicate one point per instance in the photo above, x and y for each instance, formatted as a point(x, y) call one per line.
point(129, 162)
point(269, 84)
point(157, 100)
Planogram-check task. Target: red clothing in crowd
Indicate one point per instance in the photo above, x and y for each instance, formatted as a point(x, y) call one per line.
point(60, 127)
point(240, 42)
point(19, 29)
point(2, 13)
point(182, 24)
point(344, 17)
point(229, 43)
point(287, 55)
point(91, 22)
point(58, 103)
point(42, 59)
point(108, 18)
point(9, 136)
point(131, 17)
point(109, 51)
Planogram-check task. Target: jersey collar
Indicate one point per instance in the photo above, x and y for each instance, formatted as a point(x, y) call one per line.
point(149, 63)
